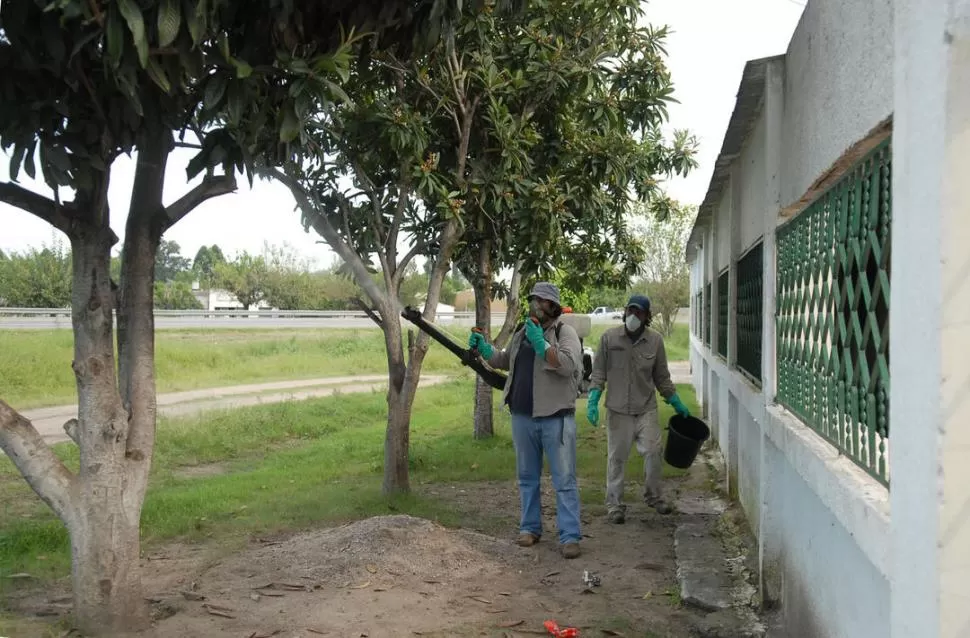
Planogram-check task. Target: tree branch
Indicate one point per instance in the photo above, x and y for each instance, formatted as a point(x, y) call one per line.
point(375, 204)
point(37, 205)
point(209, 188)
point(38, 464)
point(411, 254)
point(404, 193)
point(325, 229)
point(369, 312)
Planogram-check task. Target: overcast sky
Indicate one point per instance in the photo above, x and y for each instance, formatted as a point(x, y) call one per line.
point(710, 42)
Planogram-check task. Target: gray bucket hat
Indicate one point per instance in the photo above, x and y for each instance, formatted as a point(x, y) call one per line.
point(546, 290)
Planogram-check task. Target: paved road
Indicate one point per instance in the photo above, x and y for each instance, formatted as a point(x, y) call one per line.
point(50, 421)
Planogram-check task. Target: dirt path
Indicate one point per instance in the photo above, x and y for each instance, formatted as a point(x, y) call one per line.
point(50, 421)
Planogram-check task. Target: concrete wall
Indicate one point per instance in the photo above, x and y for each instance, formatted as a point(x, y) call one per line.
point(822, 523)
point(839, 79)
point(752, 178)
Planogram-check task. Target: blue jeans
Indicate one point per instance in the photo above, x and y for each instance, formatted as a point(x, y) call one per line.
point(556, 436)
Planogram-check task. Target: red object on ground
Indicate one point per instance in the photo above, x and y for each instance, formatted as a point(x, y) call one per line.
point(565, 632)
point(567, 309)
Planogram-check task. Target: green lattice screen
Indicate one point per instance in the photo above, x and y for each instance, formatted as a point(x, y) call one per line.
point(748, 312)
point(707, 314)
point(722, 314)
point(833, 313)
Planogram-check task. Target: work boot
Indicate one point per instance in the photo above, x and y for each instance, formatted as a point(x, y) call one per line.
point(527, 540)
point(617, 517)
point(661, 506)
point(570, 550)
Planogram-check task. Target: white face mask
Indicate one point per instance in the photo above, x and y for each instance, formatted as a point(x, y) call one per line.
point(633, 323)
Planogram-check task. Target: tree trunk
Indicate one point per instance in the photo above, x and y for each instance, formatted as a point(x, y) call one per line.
point(512, 308)
point(105, 526)
point(398, 435)
point(484, 414)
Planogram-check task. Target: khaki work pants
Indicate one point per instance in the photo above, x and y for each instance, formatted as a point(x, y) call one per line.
point(622, 431)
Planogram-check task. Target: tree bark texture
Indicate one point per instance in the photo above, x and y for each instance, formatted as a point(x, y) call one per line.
point(115, 427)
point(484, 412)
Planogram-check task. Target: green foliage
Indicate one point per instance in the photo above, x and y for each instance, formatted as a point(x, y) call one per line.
point(246, 277)
point(576, 298)
point(36, 278)
point(175, 295)
point(666, 276)
point(169, 262)
point(205, 262)
point(591, 89)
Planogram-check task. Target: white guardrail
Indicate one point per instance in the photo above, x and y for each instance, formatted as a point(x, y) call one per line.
point(23, 313)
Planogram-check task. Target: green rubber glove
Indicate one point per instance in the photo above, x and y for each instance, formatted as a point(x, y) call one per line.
point(678, 405)
point(536, 336)
point(477, 341)
point(593, 407)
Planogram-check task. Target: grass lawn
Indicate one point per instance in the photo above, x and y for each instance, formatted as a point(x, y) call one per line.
point(290, 466)
point(35, 366)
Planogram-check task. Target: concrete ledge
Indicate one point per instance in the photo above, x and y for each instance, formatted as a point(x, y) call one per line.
point(858, 501)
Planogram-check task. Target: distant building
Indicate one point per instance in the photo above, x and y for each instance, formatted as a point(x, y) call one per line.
point(218, 299)
point(465, 302)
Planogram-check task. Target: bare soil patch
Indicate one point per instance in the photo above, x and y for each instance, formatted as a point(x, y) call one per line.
point(404, 576)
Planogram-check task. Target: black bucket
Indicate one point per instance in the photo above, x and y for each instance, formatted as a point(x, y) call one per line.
point(685, 435)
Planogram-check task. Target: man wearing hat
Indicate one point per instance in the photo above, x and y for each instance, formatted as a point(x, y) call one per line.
point(544, 360)
point(632, 363)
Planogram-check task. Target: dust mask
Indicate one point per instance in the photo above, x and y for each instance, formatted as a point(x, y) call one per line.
point(633, 323)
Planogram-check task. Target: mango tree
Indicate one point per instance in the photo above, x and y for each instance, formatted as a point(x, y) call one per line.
point(596, 102)
point(85, 81)
point(414, 148)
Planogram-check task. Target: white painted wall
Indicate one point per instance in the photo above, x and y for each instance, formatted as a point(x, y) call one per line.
point(823, 524)
point(723, 233)
point(839, 79)
point(752, 178)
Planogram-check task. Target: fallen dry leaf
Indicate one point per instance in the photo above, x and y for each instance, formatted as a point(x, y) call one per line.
point(361, 586)
point(316, 631)
point(388, 587)
point(510, 623)
point(259, 634)
point(433, 582)
point(504, 593)
point(290, 586)
point(550, 574)
point(274, 594)
point(216, 612)
point(254, 597)
point(371, 568)
point(496, 611)
point(217, 607)
point(481, 600)
point(613, 632)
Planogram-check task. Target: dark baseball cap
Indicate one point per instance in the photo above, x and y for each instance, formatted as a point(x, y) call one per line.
point(641, 302)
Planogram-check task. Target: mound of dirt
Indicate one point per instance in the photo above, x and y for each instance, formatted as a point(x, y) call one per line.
point(373, 577)
point(401, 546)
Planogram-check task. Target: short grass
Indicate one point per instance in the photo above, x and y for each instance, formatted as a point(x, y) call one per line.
point(35, 366)
point(290, 466)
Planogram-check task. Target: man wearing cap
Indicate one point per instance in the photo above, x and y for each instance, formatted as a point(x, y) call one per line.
point(544, 361)
point(632, 363)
